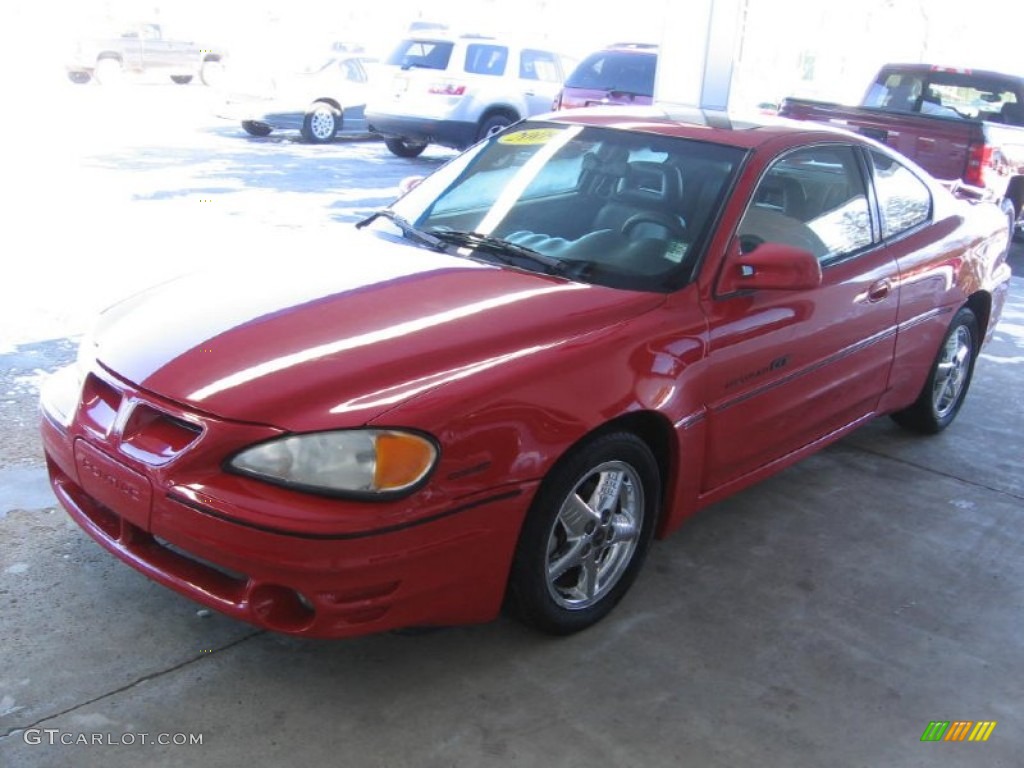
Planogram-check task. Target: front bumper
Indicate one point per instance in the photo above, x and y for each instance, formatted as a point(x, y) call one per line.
point(185, 523)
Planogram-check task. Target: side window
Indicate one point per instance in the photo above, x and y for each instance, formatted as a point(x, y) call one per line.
point(814, 199)
point(904, 199)
point(352, 70)
point(539, 65)
point(486, 59)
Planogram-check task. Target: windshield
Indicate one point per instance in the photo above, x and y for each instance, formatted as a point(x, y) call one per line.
point(619, 208)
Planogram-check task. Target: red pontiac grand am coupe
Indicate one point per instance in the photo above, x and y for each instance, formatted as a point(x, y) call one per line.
point(499, 390)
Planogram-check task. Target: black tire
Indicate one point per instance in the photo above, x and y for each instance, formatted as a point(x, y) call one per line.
point(182, 79)
point(321, 123)
point(492, 125)
point(211, 72)
point(404, 148)
point(254, 128)
point(576, 556)
point(949, 379)
point(79, 78)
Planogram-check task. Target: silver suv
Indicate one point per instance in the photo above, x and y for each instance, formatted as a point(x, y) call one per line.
point(454, 91)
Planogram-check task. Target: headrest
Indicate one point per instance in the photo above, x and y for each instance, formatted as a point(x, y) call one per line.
point(1012, 113)
point(650, 183)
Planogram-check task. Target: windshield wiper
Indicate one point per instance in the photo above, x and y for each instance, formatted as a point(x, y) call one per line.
point(409, 232)
point(507, 250)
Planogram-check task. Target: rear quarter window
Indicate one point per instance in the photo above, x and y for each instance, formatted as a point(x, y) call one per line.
point(903, 198)
point(421, 54)
point(539, 65)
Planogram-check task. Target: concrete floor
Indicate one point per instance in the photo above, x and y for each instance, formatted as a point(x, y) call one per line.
point(821, 619)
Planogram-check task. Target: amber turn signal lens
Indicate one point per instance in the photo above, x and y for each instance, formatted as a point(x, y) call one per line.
point(403, 460)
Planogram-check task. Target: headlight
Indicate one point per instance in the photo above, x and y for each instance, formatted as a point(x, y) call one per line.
point(60, 394)
point(363, 462)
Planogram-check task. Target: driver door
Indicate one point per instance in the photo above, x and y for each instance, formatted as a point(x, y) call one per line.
point(790, 367)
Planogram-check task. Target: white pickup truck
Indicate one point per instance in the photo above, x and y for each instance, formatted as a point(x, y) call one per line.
point(143, 48)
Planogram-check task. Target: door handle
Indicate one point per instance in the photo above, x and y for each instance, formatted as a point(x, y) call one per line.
point(879, 290)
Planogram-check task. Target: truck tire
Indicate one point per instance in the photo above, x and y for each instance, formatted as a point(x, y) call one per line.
point(79, 78)
point(212, 72)
point(109, 72)
point(494, 124)
point(182, 79)
point(1011, 216)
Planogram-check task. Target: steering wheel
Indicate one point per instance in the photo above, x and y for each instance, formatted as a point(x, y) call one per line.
point(670, 223)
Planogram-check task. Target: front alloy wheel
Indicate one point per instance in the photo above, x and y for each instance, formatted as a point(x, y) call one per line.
point(586, 534)
point(594, 535)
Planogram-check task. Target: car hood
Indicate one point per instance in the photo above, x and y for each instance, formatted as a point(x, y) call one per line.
point(305, 344)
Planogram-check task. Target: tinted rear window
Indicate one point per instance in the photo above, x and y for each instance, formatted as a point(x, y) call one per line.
point(424, 54)
point(616, 71)
point(949, 94)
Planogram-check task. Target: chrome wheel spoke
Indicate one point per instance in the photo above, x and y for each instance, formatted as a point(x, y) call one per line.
point(577, 516)
point(605, 497)
point(570, 559)
point(589, 576)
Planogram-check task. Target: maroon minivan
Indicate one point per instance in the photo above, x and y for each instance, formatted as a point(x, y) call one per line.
point(622, 73)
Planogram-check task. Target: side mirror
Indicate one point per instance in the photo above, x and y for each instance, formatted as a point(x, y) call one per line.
point(769, 267)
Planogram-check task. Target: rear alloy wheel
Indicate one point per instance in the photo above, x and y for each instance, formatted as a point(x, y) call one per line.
point(586, 534)
point(182, 79)
point(321, 123)
point(256, 129)
point(403, 148)
point(949, 379)
point(492, 125)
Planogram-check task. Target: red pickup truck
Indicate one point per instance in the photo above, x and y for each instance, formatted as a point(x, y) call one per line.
point(965, 126)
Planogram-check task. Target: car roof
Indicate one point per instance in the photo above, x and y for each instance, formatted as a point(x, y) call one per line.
point(747, 132)
point(632, 47)
point(930, 69)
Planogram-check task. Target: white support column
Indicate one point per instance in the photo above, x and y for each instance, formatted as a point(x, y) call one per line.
point(698, 46)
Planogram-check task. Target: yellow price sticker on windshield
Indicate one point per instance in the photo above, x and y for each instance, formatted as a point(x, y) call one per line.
point(528, 137)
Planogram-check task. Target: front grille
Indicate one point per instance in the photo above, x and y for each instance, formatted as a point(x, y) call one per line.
point(155, 437)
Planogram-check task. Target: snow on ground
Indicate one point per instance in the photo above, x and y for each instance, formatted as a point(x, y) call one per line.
point(110, 190)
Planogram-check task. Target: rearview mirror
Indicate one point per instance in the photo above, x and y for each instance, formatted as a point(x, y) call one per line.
point(770, 267)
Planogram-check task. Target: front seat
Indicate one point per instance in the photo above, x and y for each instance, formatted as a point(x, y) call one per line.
point(645, 203)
